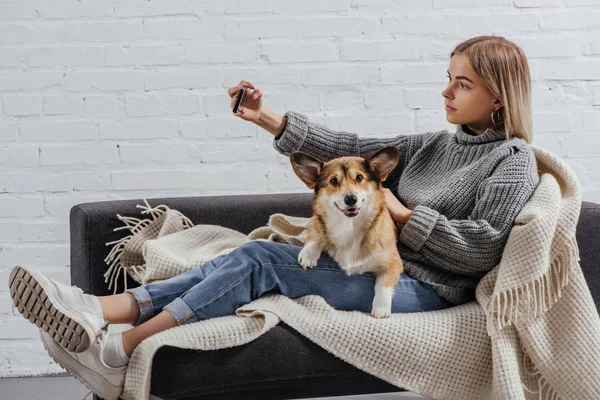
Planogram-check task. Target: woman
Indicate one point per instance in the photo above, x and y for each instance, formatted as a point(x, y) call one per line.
point(455, 196)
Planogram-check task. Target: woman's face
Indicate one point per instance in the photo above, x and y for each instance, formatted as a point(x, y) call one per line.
point(471, 101)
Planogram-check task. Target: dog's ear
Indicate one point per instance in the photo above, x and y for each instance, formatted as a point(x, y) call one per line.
point(383, 162)
point(307, 168)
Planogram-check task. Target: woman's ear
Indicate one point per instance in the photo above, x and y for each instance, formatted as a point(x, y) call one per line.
point(307, 168)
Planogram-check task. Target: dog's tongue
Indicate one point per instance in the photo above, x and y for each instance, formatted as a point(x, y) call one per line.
point(351, 209)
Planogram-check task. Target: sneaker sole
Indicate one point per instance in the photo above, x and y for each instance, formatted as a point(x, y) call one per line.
point(76, 369)
point(33, 302)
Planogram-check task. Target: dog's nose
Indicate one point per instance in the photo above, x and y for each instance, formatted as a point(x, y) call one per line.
point(350, 199)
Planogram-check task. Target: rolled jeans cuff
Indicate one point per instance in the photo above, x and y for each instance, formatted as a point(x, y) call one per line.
point(182, 313)
point(144, 302)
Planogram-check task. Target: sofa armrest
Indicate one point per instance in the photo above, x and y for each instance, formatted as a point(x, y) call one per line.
point(588, 240)
point(92, 225)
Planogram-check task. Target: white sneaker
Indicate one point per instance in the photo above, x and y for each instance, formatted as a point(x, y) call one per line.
point(71, 318)
point(89, 367)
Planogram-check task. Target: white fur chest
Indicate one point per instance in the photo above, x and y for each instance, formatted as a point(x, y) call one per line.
point(346, 235)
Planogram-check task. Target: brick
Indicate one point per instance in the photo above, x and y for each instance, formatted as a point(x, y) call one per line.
point(68, 56)
point(276, 76)
point(536, 3)
point(144, 55)
point(9, 57)
point(181, 103)
point(180, 79)
point(343, 100)
point(59, 104)
point(285, 180)
point(295, 7)
point(31, 80)
point(15, 156)
point(262, 28)
point(144, 105)
point(34, 232)
point(300, 52)
point(139, 129)
point(8, 131)
point(135, 8)
point(378, 50)
point(250, 152)
point(94, 31)
point(414, 73)
point(552, 21)
point(237, 7)
point(225, 127)
point(18, 329)
point(549, 47)
point(340, 75)
point(365, 125)
point(34, 254)
point(181, 153)
point(22, 105)
point(53, 182)
point(97, 154)
point(431, 121)
point(596, 90)
point(571, 70)
point(103, 106)
point(422, 25)
point(58, 205)
point(17, 9)
point(21, 206)
point(103, 80)
point(446, 4)
point(69, 9)
point(203, 53)
point(417, 99)
point(207, 29)
point(341, 26)
point(53, 130)
point(551, 121)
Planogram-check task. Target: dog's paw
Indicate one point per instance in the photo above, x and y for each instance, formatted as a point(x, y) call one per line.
point(381, 312)
point(308, 257)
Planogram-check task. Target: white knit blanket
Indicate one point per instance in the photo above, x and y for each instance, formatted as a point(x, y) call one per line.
point(534, 331)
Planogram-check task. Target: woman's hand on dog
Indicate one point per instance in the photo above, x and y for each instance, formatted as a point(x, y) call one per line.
point(253, 107)
point(399, 212)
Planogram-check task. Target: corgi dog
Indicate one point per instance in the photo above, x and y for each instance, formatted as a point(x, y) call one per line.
point(351, 221)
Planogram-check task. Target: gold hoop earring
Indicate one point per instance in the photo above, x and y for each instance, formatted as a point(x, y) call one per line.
point(494, 122)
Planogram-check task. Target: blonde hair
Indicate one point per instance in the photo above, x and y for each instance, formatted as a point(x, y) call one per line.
point(503, 67)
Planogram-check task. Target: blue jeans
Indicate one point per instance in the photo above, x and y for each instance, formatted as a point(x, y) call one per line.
point(227, 282)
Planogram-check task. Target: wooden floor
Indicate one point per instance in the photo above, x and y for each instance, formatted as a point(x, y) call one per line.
point(67, 388)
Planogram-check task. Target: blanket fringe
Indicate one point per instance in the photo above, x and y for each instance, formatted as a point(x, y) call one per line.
point(537, 296)
point(135, 225)
point(530, 369)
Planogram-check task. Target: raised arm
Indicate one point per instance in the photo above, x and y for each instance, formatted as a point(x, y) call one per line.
point(299, 134)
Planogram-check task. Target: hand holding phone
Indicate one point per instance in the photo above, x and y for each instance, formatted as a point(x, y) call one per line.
point(246, 101)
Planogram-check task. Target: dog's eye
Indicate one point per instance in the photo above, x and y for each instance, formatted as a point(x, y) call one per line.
point(359, 178)
point(334, 181)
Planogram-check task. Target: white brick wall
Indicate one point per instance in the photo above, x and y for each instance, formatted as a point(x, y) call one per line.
point(93, 93)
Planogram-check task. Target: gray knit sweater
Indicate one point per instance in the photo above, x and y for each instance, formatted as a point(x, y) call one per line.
point(464, 189)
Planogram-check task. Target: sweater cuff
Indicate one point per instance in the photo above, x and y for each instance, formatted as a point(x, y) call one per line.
point(418, 227)
point(293, 136)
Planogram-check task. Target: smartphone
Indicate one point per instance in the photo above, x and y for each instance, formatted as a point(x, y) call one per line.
point(241, 100)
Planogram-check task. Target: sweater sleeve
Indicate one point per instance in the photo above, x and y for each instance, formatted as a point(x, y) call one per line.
point(325, 144)
point(474, 246)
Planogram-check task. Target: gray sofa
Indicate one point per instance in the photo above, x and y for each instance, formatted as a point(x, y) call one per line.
point(280, 364)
